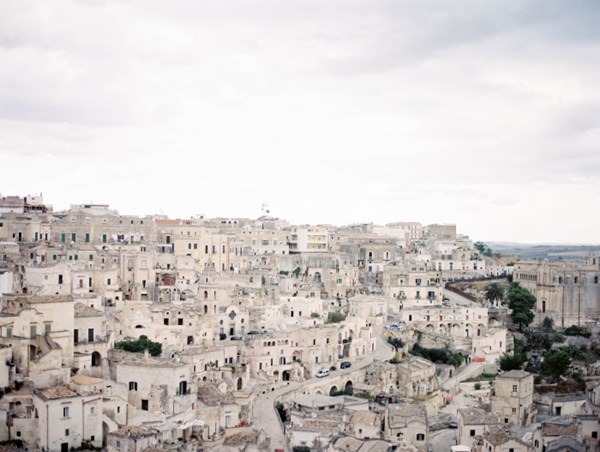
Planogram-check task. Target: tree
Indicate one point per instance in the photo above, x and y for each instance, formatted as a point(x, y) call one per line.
point(522, 303)
point(335, 317)
point(480, 246)
point(511, 361)
point(556, 364)
point(494, 292)
point(139, 345)
point(548, 323)
point(395, 342)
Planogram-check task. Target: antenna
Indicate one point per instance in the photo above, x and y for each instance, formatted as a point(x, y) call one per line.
point(265, 208)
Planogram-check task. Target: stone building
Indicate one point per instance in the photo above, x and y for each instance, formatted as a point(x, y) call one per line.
point(512, 398)
point(566, 292)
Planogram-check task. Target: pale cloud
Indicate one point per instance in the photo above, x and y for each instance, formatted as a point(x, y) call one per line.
point(480, 113)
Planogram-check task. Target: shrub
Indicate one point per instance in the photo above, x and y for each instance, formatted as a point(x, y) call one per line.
point(575, 330)
point(511, 361)
point(140, 345)
point(438, 355)
point(335, 317)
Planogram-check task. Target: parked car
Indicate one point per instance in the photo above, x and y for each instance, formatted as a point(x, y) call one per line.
point(345, 364)
point(395, 327)
point(452, 424)
point(323, 373)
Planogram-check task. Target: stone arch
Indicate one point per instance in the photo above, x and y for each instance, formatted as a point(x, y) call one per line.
point(137, 327)
point(276, 375)
point(96, 359)
point(105, 432)
point(286, 375)
point(333, 390)
point(349, 387)
point(190, 340)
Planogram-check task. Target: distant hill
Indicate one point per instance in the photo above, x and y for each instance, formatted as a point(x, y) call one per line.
point(568, 253)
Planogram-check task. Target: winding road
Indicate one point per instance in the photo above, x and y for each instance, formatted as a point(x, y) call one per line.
point(265, 415)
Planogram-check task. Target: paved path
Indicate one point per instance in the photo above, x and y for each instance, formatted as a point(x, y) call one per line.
point(264, 413)
point(467, 372)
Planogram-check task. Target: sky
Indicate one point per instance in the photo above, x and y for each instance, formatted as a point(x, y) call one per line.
point(485, 114)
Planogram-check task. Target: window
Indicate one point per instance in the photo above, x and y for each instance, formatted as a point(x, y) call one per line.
point(65, 411)
point(108, 281)
point(166, 321)
point(92, 410)
point(133, 386)
point(9, 331)
point(32, 331)
point(420, 437)
point(472, 432)
point(67, 432)
point(60, 279)
point(47, 328)
point(514, 411)
point(514, 388)
point(145, 404)
point(87, 237)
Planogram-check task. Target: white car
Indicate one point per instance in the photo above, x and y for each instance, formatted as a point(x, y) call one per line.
point(323, 373)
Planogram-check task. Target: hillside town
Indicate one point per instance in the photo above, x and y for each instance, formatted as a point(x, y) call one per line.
point(148, 333)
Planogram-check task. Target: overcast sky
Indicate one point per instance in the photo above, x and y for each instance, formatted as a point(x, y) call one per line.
point(481, 113)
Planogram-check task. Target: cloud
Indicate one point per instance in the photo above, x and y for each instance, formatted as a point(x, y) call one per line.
point(474, 112)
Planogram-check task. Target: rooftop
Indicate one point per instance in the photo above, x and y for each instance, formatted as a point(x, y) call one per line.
point(57, 392)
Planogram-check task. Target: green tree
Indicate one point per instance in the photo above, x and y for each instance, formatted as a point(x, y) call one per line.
point(480, 246)
point(395, 342)
point(522, 303)
point(556, 364)
point(511, 361)
point(139, 345)
point(335, 317)
point(494, 292)
point(548, 323)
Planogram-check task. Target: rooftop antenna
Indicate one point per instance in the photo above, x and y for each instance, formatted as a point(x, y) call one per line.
point(265, 208)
